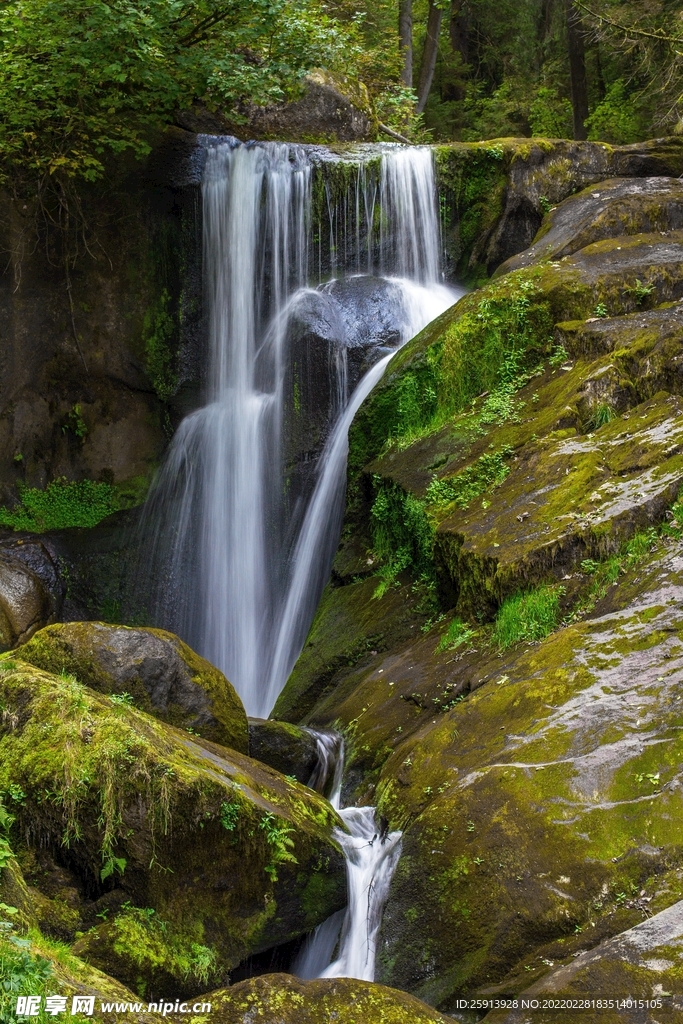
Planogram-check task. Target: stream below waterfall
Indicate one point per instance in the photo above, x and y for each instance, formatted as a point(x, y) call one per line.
point(308, 294)
point(372, 853)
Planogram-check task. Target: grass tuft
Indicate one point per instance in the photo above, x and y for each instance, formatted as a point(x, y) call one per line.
point(529, 617)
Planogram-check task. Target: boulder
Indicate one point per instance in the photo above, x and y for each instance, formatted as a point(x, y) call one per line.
point(25, 602)
point(639, 965)
point(618, 206)
point(287, 1000)
point(207, 855)
point(287, 748)
point(331, 108)
point(498, 191)
point(160, 674)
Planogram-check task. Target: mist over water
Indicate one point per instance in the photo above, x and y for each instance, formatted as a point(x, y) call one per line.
point(243, 564)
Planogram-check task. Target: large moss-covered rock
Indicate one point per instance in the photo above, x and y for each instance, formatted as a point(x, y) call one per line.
point(160, 673)
point(619, 206)
point(223, 856)
point(639, 968)
point(282, 999)
point(544, 803)
point(498, 191)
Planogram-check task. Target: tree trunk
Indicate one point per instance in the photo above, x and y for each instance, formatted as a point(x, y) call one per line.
point(577, 70)
point(429, 55)
point(459, 31)
point(405, 40)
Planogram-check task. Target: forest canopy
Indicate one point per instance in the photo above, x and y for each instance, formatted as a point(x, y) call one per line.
point(80, 79)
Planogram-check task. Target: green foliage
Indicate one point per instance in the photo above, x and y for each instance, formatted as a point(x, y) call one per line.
point(601, 311)
point(112, 865)
point(21, 972)
point(458, 633)
point(640, 291)
point(75, 423)
point(486, 347)
point(79, 82)
point(123, 699)
point(160, 356)
point(616, 118)
point(603, 414)
point(277, 837)
point(550, 115)
point(402, 536)
point(62, 504)
point(487, 472)
point(230, 812)
point(529, 616)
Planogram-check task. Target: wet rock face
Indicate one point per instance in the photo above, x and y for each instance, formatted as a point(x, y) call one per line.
point(27, 601)
point(156, 669)
point(334, 334)
point(287, 748)
point(196, 856)
point(539, 811)
point(620, 206)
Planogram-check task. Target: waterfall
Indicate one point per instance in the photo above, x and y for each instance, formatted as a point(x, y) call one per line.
point(372, 854)
point(244, 553)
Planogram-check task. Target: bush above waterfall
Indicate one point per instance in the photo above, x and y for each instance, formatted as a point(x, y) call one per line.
point(77, 83)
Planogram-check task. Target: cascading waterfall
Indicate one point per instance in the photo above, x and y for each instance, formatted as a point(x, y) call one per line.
point(244, 563)
point(372, 854)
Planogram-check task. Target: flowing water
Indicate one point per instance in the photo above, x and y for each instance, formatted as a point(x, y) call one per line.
point(243, 554)
point(372, 854)
point(244, 562)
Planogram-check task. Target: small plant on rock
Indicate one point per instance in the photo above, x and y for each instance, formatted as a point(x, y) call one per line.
point(458, 633)
point(529, 616)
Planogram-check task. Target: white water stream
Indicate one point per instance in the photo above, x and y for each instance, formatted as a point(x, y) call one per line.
point(243, 564)
point(371, 859)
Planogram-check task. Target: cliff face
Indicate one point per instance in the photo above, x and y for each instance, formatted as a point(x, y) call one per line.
point(86, 371)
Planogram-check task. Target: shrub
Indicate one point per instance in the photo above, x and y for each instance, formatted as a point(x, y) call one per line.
point(62, 504)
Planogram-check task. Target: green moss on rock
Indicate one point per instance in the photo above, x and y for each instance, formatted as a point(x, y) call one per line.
point(142, 806)
point(155, 669)
point(287, 1000)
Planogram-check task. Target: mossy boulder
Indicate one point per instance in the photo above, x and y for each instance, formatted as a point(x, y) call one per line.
point(219, 855)
point(35, 965)
point(283, 999)
point(619, 206)
point(543, 805)
point(641, 964)
point(160, 673)
point(285, 747)
point(497, 192)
